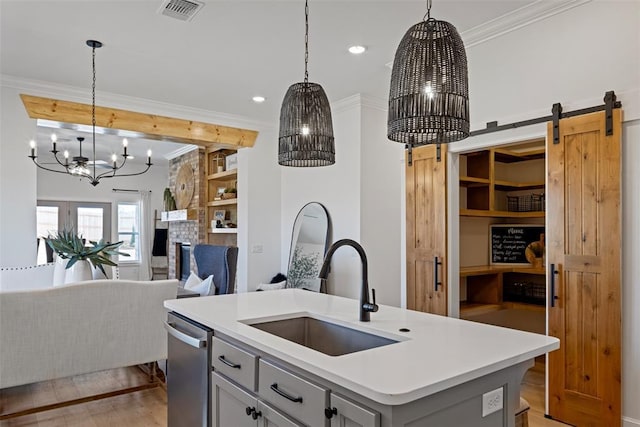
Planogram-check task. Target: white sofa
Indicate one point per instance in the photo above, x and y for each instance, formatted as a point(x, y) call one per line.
point(55, 332)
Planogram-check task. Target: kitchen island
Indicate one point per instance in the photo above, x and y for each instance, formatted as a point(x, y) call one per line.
point(434, 370)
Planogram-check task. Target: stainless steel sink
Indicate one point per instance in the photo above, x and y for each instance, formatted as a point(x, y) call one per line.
point(325, 337)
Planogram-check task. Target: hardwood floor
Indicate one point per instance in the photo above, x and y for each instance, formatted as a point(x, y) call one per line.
point(143, 408)
point(533, 391)
point(149, 407)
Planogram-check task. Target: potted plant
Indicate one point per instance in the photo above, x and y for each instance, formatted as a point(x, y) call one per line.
point(68, 245)
point(230, 193)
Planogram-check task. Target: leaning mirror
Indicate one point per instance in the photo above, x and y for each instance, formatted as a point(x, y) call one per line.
point(309, 242)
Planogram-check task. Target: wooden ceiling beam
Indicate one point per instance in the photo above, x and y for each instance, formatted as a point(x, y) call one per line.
point(149, 125)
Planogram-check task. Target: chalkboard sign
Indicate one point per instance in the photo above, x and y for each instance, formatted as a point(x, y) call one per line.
point(509, 241)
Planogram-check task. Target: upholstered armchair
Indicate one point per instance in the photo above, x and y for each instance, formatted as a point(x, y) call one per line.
point(219, 261)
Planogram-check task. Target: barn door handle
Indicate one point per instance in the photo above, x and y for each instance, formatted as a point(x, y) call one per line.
point(552, 278)
point(436, 263)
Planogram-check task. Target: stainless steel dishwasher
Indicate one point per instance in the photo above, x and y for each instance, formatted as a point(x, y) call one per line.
point(188, 372)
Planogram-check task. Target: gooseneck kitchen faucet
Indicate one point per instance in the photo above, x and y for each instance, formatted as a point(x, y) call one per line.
point(366, 307)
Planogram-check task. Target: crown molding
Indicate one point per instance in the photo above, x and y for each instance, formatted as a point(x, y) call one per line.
point(82, 95)
point(521, 17)
point(180, 151)
point(375, 103)
point(359, 100)
point(514, 20)
point(347, 103)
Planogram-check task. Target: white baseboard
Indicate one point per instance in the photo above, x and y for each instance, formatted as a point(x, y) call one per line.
point(630, 422)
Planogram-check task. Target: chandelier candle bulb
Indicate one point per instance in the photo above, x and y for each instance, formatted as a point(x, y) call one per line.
point(32, 144)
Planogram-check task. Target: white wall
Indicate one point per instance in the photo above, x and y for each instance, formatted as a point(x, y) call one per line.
point(381, 198)
point(259, 209)
point(17, 183)
point(573, 58)
point(362, 194)
point(337, 187)
point(631, 272)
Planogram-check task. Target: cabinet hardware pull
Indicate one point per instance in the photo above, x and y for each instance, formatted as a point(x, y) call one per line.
point(275, 388)
point(330, 412)
point(436, 263)
point(226, 362)
point(249, 410)
point(553, 272)
point(256, 414)
point(187, 339)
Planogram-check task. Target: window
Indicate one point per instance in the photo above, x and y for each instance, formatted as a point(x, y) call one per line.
point(47, 220)
point(129, 231)
point(92, 220)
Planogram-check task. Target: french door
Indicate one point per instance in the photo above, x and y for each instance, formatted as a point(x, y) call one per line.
point(90, 219)
point(583, 250)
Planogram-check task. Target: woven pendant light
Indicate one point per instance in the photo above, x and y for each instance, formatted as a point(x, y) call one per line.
point(429, 94)
point(306, 131)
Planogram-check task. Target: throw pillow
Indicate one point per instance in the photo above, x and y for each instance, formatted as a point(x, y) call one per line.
point(271, 286)
point(203, 287)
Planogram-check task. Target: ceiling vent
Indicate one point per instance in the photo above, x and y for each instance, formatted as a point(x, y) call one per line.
point(183, 10)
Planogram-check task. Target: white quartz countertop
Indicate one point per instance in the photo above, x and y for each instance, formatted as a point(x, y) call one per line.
point(438, 353)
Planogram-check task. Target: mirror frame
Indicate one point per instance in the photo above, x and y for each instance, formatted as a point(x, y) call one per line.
point(327, 240)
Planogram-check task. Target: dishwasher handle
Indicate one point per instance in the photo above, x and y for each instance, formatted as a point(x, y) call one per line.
point(187, 339)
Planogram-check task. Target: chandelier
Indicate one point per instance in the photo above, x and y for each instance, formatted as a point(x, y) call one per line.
point(80, 165)
point(306, 131)
point(429, 93)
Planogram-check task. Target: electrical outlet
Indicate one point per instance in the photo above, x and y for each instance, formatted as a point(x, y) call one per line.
point(492, 401)
point(256, 249)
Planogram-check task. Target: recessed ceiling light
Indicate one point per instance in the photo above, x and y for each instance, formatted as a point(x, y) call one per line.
point(357, 50)
point(258, 99)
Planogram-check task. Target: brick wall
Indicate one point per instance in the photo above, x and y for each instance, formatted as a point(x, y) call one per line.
point(193, 232)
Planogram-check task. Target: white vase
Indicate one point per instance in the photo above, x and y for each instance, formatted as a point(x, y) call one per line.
point(59, 272)
point(79, 272)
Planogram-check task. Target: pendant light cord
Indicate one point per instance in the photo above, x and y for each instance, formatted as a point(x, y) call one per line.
point(93, 106)
point(427, 15)
point(306, 41)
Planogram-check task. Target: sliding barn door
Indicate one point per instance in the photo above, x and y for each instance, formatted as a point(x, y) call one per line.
point(426, 231)
point(584, 258)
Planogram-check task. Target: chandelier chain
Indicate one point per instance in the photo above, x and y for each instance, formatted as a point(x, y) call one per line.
point(427, 15)
point(93, 106)
point(306, 41)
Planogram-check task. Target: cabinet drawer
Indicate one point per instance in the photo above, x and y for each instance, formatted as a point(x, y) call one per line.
point(234, 363)
point(296, 396)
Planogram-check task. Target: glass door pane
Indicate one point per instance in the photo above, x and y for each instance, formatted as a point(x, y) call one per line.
point(91, 220)
point(50, 217)
point(90, 224)
point(47, 220)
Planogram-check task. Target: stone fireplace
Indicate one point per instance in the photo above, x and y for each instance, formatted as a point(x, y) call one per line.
point(189, 232)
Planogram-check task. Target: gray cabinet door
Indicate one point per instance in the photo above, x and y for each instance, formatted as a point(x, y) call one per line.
point(350, 414)
point(271, 417)
point(230, 404)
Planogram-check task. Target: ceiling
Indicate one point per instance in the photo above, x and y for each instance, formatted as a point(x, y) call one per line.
point(106, 144)
point(231, 51)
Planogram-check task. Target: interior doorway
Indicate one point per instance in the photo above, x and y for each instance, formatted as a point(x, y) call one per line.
point(497, 187)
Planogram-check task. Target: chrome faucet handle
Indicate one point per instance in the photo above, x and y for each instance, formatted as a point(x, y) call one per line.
point(371, 307)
